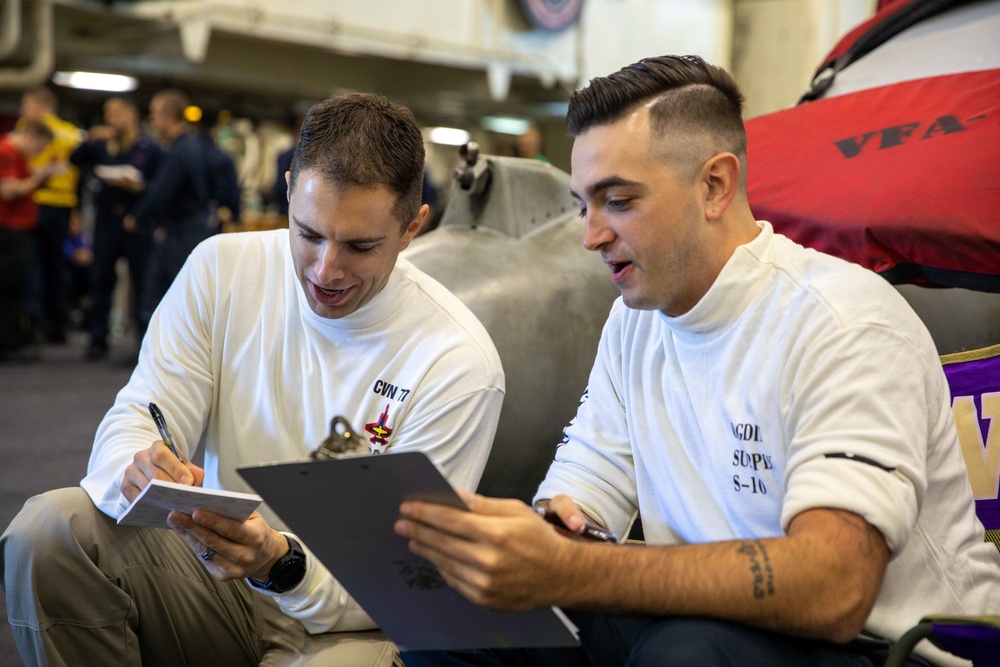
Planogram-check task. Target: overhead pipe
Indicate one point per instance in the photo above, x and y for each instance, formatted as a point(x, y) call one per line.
point(197, 20)
point(10, 27)
point(43, 59)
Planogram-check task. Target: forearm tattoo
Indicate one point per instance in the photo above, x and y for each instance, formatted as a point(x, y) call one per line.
point(760, 568)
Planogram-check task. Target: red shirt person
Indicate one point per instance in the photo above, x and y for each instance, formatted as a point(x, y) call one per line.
point(18, 216)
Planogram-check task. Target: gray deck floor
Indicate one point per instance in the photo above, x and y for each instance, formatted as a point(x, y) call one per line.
point(49, 412)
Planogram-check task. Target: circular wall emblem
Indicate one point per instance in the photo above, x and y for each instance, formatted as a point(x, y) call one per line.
point(551, 15)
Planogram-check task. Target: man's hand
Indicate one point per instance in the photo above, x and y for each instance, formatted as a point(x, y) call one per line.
point(55, 167)
point(820, 581)
point(571, 516)
point(41, 174)
point(158, 462)
point(102, 133)
point(124, 183)
point(501, 554)
point(242, 549)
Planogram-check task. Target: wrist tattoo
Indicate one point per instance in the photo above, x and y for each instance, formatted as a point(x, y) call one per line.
point(760, 568)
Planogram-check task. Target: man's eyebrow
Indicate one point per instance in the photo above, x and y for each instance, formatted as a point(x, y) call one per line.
point(367, 239)
point(304, 227)
point(610, 182)
point(312, 232)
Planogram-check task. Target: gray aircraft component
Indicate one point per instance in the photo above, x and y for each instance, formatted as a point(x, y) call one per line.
point(509, 246)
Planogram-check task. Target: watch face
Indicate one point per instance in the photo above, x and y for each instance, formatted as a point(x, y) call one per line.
point(289, 570)
point(290, 573)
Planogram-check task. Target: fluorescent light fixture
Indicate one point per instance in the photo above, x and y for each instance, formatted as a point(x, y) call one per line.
point(505, 124)
point(111, 83)
point(449, 136)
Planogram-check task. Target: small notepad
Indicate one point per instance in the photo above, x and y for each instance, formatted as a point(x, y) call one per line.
point(118, 172)
point(150, 508)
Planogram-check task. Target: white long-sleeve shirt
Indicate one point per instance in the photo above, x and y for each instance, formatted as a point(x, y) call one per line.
point(798, 381)
point(236, 360)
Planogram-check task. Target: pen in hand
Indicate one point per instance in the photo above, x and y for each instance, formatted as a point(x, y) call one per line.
point(161, 426)
point(589, 529)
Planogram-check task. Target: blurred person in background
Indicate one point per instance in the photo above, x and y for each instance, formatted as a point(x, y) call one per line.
point(531, 144)
point(175, 204)
point(18, 217)
point(280, 191)
point(223, 184)
point(58, 203)
point(124, 161)
point(432, 199)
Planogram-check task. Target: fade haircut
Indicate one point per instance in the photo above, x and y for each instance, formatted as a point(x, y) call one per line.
point(696, 109)
point(364, 140)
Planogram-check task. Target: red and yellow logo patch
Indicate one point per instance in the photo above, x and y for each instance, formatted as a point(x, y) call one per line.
point(379, 431)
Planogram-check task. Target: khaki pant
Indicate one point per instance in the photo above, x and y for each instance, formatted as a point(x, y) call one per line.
point(82, 590)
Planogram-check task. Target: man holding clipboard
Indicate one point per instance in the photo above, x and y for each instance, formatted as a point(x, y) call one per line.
point(777, 417)
point(261, 340)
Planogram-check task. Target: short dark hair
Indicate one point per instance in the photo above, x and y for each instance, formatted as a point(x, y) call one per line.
point(694, 97)
point(174, 101)
point(37, 128)
point(364, 140)
point(43, 96)
point(126, 102)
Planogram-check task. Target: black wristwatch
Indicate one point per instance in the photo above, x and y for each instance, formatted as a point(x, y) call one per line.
point(287, 572)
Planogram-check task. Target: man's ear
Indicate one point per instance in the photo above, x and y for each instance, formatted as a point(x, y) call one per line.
point(414, 227)
point(721, 177)
point(288, 181)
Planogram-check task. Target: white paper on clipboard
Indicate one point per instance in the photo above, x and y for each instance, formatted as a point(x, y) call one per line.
point(344, 510)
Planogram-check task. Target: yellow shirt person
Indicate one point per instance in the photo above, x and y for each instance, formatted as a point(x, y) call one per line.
point(61, 188)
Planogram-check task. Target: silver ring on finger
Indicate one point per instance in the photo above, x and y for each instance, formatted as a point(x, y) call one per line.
point(208, 554)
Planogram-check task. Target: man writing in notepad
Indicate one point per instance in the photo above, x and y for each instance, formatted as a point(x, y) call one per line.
point(262, 338)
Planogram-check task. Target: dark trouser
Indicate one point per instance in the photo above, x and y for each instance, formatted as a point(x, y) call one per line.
point(82, 590)
point(166, 260)
point(111, 241)
point(15, 251)
point(50, 282)
point(608, 641)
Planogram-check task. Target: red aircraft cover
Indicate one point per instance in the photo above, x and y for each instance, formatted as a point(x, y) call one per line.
point(903, 179)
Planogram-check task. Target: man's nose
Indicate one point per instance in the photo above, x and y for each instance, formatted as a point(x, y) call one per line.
point(596, 232)
point(329, 263)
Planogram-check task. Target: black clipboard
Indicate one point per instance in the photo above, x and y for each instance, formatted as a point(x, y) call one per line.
point(344, 510)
